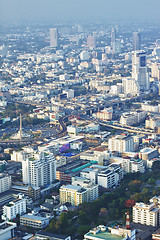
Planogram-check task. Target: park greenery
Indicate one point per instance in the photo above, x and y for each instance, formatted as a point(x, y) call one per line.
point(110, 206)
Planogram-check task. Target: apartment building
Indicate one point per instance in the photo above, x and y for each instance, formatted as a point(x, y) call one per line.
point(130, 165)
point(39, 169)
point(110, 177)
point(132, 118)
point(5, 182)
point(121, 143)
point(75, 194)
point(147, 214)
point(13, 208)
point(105, 176)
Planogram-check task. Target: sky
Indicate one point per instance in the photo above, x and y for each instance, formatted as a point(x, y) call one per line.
point(86, 11)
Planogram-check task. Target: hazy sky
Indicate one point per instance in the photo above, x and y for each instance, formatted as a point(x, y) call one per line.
point(54, 11)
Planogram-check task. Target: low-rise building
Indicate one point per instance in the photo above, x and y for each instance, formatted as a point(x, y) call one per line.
point(33, 221)
point(7, 230)
point(51, 236)
point(117, 233)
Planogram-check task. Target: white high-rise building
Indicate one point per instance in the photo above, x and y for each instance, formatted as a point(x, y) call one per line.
point(13, 208)
point(39, 169)
point(139, 69)
point(5, 182)
point(121, 143)
point(130, 86)
point(53, 37)
point(146, 214)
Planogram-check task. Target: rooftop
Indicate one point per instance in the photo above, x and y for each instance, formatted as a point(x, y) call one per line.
point(104, 235)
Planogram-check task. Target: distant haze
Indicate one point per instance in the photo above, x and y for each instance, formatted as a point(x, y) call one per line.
point(60, 11)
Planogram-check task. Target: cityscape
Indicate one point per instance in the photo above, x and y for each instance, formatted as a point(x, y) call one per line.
point(79, 125)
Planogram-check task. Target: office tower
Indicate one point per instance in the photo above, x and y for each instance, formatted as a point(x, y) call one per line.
point(91, 42)
point(136, 41)
point(139, 69)
point(53, 37)
point(39, 169)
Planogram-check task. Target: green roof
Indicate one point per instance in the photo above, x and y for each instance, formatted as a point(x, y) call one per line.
point(105, 236)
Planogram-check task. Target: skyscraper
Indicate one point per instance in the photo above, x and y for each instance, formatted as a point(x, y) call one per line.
point(113, 39)
point(53, 37)
point(139, 69)
point(136, 41)
point(91, 42)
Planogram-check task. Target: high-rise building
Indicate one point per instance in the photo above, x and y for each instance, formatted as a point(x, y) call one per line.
point(146, 214)
point(5, 182)
point(39, 169)
point(53, 37)
point(139, 69)
point(91, 42)
point(113, 39)
point(136, 41)
point(121, 143)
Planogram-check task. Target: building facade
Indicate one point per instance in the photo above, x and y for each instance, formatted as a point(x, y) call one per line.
point(5, 183)
point(139, 70)
point(146, 214)
point(121, 143)
point(39, 170)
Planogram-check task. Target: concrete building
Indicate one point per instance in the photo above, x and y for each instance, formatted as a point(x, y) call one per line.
point(139, 70)
point(53, 37)
point(5, 183)
point(39, 169)
point(130, 86)
point(132, 118)
point(148, 153)
point(41, 235)
point(121, 143)
point(155, 71)
point(117, 233)
point(69, 93)
point(110, 177)
point(13, 208)
point(150, 108)
point(132, 165)
point(91, 41)
point(136, 41)
point(105, 114)
point(84, 55)
point(152, 123)
point(105, 176)
point(7, 230)
point(33, 221)
point(76, 194)
point(146, 214)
